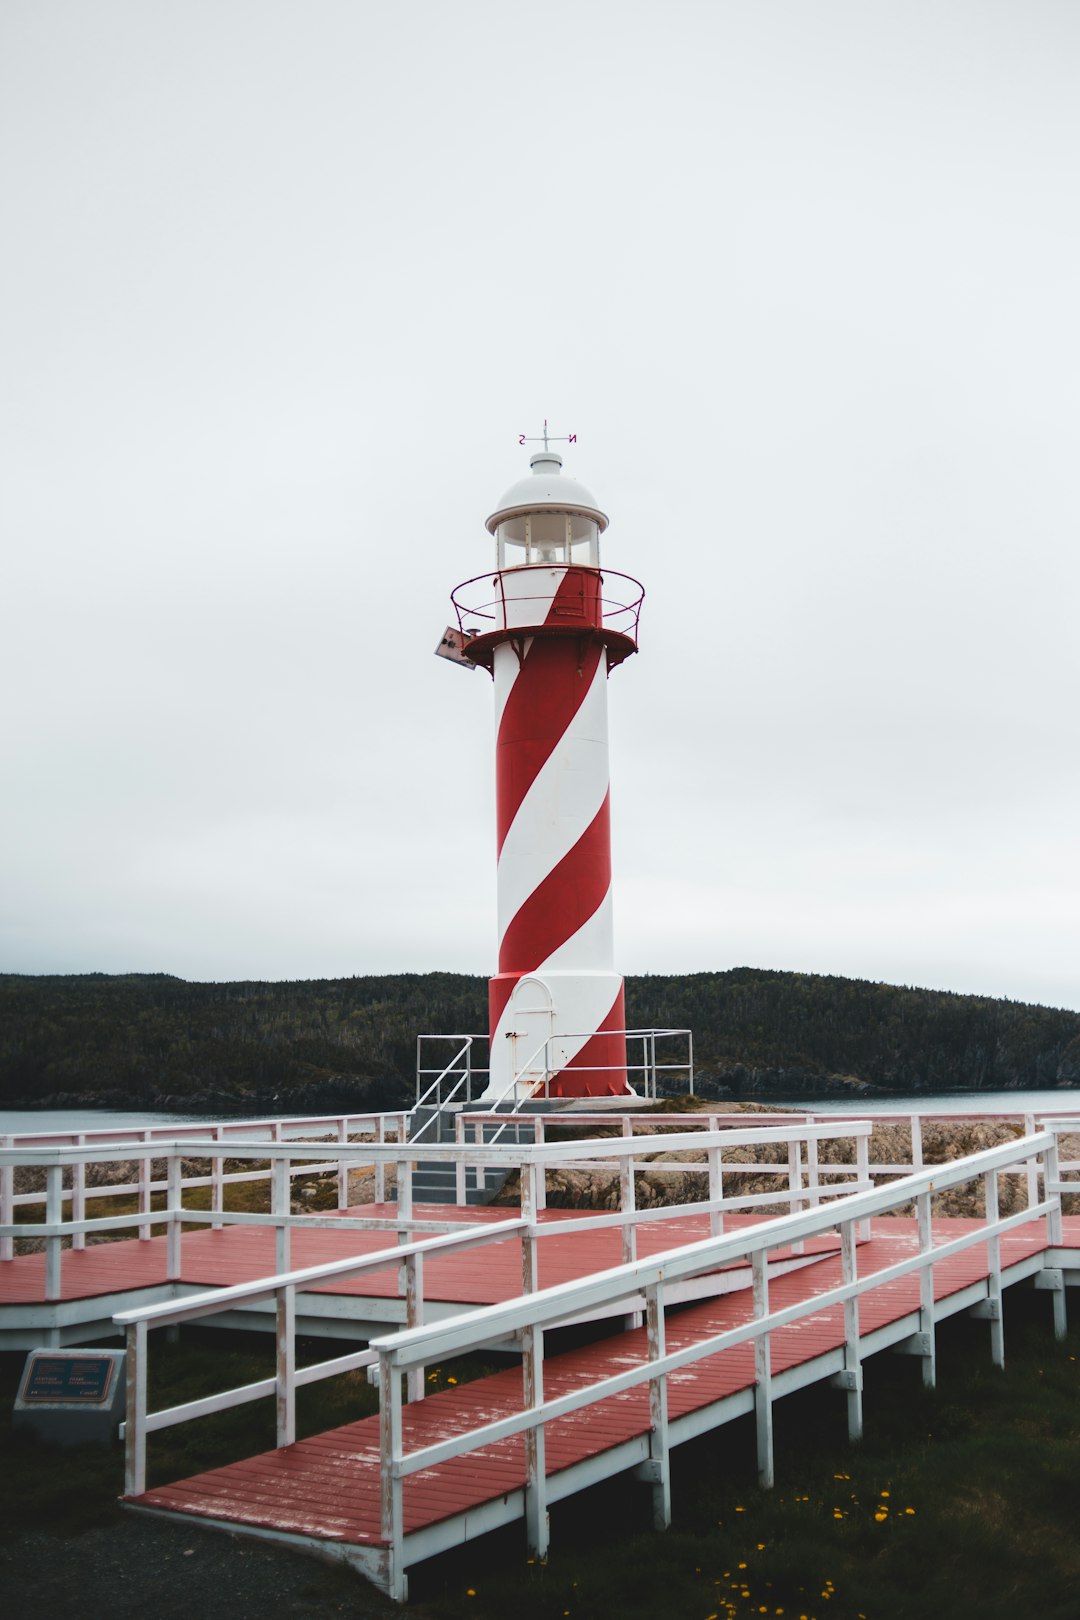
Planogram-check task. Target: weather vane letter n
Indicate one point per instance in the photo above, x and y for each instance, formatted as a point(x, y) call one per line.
point(548, 438)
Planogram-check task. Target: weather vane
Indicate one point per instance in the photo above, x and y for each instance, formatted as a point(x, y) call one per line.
point(548, 438)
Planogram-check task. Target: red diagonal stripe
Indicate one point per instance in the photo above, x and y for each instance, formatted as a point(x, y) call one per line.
point(599, 1069)
point(564, 900)
point(551, 686)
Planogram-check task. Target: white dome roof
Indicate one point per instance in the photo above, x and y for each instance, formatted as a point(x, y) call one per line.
point(547, 485)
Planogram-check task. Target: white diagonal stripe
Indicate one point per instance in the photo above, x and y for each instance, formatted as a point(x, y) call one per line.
point(561, 803)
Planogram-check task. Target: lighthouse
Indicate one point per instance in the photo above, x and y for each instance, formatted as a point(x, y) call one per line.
point(549, 626)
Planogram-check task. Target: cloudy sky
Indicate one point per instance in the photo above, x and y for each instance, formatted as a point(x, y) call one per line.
point(283, 280)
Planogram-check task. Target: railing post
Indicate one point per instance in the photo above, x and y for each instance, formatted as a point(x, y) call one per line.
point(281, 1194)
point(658, 1409)
point(628, 1199)
point(403, 1169)
point(927, 1321)
point(795, 1201)
point(541, 1179)
point(916, 1143)
point(460, 1187)
point(380, 1165)
point(813, 1171)
point(414, 1317)
point(852, 1376)
point(135, 1432)
point(343, 1167)
point(217, 1180)
point(54, 1214)
point(174, 1230)
point(763, 1416)
point(478, 1138)
point(285, 1314)
point(716, 1185)
point(690, 1058)
point(1054, 1229)
point(530, 1260)
point(993, 1257)
point(390, 1457)
point(1032, 1165)
point(7, 1203)
point(862, 1163)
point(144, 1193)
point(532, 1373)
point(78, 1195)
point(1052, 1179)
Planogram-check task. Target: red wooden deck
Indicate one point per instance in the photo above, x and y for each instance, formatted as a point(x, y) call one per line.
point(327, 1487)
point(242, 1254)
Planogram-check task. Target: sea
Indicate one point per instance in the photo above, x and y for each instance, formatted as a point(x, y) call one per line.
point(1063, 1100)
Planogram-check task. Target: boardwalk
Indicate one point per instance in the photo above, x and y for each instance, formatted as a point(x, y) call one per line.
point(327, 1489)
point(212, 1259)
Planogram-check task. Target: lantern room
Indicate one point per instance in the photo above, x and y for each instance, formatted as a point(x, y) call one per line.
point(547, 518)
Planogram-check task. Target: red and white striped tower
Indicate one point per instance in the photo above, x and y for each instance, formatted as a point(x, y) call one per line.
point(549, 626)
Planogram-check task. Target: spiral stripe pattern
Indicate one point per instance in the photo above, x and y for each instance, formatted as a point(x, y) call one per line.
point(554, 870)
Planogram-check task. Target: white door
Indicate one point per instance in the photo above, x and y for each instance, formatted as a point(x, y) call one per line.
point(530, 1039)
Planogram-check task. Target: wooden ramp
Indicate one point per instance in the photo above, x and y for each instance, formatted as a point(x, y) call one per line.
point(325, 1492)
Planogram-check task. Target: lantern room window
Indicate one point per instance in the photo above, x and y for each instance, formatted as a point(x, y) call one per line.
point(557, 538)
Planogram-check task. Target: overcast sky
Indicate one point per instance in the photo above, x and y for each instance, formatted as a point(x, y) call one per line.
point(283, 281)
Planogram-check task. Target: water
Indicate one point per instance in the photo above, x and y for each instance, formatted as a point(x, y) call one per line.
point(1059, 1100)
point(40, 1121)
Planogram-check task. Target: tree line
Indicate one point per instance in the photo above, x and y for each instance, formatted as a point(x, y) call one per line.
point(152, 1040)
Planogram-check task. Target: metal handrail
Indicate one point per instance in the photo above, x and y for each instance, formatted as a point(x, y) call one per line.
point(495, 610)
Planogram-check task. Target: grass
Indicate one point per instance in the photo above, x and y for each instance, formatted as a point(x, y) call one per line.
point(962, 1501)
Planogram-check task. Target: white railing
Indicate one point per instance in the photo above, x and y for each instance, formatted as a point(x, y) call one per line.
point(283, 1289)
point(461, 1065)
point(652, 1280)
point(284, 1286)
point(283, 1156)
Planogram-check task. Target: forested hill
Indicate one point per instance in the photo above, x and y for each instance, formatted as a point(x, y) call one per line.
point(151, 1040)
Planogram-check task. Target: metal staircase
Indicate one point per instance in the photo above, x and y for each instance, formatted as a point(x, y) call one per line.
point(437, 1183)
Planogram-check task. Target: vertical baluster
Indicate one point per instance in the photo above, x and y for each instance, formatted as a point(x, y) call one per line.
point(853, 1382)
point(414, 1317)
point(532, 1374)
point(54, 1215)
point(862, 1161)
point(174, 1229)
point(927, 1322)
point(1054, 1228)
point(628, 1201)
point(541, 1180)
point(763, 1414)
point(380, 1165)
point(1032, 1165)
point(285, 1315)
point(281, 1194)
point(993, 1256)
point(343, 1167)
point(530, 1260)
point(78, 1194)
point(916, 1143)
point(144, 1193)
point(658, 1408)
point(460, 1190)
point(217, 1180)
point(795, 1200)
point(716, 1182)
point(390, 1457)
point(813, 1171)
point(404, 1200)
point(7, 1202)
point(135, 1432)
